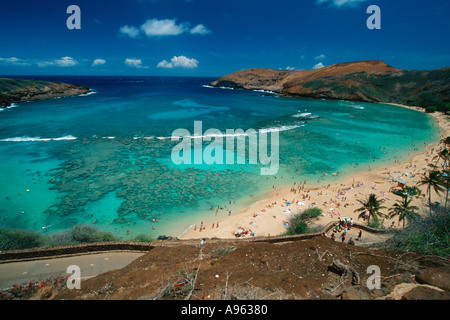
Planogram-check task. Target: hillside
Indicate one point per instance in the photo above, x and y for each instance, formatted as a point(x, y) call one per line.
point(20, 90)
point(307, 269)
point(369, 81)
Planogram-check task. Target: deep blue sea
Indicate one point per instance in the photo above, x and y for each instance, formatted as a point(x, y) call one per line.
point(105, 158)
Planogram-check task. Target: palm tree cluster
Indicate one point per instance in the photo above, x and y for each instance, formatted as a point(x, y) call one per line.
point(436, 180)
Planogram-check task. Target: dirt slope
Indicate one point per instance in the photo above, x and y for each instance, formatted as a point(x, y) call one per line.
point(303, 269)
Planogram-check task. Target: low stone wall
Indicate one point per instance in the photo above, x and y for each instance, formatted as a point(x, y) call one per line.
point(86, 248)
point(98, 247)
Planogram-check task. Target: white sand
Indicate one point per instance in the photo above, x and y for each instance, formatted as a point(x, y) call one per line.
point(267, 217)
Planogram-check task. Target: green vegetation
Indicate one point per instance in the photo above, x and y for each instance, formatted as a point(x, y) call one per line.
point(426, 234)
point(17, 239)
point(372, 205)
point(14, 239)
point(404, 210)
point(300, 223)
point(314, 84)
point(8, 85)
point(433, 181)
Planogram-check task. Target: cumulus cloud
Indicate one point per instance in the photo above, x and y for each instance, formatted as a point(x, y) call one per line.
point(318, 66)
point(62, 62)
point(200, 29)
point(13, 61)
point(164, 27)
point(98, 62)
point(135, 63)
point(290, 68)
point(178, 62)
point(341, 3)
point(66, 62)
point(320, 57)
point(130, 31)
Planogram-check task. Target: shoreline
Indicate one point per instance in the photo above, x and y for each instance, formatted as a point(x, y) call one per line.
point(269, 215)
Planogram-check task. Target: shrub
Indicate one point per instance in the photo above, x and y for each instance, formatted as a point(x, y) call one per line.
point(430, 109)
point(16, 239)
point(299, 223)
point(376, 224)
point(311, 213)
point(82, 233)
point(143, 238)
point(426, 234)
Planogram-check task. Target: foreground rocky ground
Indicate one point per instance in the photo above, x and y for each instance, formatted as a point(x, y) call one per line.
point(317, 268)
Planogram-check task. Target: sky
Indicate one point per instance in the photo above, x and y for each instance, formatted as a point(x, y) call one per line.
point(215, 37)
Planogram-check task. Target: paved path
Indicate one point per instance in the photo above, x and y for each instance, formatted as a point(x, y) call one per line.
point(90, 265)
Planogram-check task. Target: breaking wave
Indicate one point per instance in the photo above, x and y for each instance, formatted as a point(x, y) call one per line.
point(305, 115)
point(29, 139)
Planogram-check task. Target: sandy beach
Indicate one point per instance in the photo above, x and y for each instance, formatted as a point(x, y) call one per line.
point(269, 216)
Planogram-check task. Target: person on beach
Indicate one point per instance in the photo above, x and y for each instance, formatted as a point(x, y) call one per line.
point(343, 236)
point(359, 235)
point(350, 242)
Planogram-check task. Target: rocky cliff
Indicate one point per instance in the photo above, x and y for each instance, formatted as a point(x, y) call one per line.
point(19, 90)
point(369, 81)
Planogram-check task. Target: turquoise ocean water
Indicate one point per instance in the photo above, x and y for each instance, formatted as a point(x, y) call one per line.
point(105, 158)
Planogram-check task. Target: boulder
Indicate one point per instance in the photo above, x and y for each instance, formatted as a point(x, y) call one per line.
point(356, 293)
point(426, 293)
point(437, 277)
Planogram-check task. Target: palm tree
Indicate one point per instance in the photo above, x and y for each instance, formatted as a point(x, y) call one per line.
point(371, 204)
point(446, 141)
point(403, 209)
point(444, 154)
point(433, 180)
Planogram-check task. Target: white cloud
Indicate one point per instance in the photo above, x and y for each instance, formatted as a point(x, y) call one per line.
point(135, 63)
point(178, 62)
point(63, 62)
point(164, 64)
point(341, 3)
point(66, 62)
point(200, 29)
point(98, 62)
point(318, 66)
point(290, 68)
point(130, 31)
point(320, 57)
point(166, 27)
point(14, 61)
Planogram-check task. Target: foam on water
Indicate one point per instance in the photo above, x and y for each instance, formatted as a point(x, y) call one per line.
point(31, 139)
